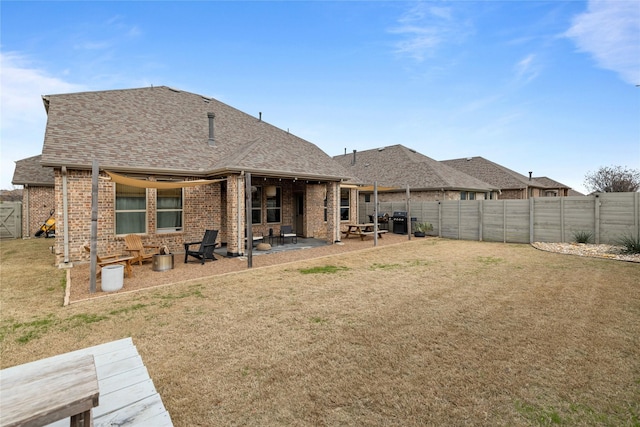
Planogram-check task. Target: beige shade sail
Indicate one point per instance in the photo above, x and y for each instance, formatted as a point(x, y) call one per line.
point(143, 183)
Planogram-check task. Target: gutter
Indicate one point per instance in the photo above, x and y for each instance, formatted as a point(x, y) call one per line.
point(270, 173)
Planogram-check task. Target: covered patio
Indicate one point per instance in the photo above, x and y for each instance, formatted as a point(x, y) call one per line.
point(144, 277)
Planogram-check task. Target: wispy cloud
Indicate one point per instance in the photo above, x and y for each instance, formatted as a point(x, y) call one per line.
point(23, 117)
point(22, 85)
point(527, 69)
point(610, 32)
point(424, 28)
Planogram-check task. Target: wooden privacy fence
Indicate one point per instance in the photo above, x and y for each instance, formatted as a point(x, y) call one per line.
point(10, 220)
point(607, 216)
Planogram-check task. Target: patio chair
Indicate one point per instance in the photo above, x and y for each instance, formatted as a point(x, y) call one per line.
point(205, 251)
point(287, 232)
point(112, 259)
point(137, 250)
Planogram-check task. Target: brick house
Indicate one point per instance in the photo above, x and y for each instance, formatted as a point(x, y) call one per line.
point(167, 140)
point(38, 198)
point(512, 185)
point(396, 167)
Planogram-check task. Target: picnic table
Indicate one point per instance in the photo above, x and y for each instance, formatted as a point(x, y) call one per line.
point(44, 391)
point(362, 230)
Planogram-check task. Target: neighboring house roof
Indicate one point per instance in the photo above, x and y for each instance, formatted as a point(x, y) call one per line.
point(550, 183)
point(30, 171)
point(11, 195)
point(493, 173)
point(399, 166)
point(160, 130)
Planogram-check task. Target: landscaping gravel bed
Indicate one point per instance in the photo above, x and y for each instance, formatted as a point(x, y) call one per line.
point(588, 249)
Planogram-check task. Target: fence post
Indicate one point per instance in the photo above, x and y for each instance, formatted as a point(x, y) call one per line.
point(439, 219)
point(597, 218)
point(480, 219)
point(562, 238)
point(459, 220)
point(504, 221)
point(531, 220)
point(636, 208)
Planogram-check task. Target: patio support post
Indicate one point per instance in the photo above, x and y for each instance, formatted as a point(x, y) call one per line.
point(408, 213)
point(248, 222)
point(94, 224)
point(375, 213)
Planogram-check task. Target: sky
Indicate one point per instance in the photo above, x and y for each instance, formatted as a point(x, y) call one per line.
point(549, 87)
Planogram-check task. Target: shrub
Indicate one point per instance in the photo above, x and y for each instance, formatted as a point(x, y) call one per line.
point(630, 243)
point(423, 227)
point(582, 236)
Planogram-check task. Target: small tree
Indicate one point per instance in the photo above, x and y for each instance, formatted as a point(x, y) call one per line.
point(613, 179)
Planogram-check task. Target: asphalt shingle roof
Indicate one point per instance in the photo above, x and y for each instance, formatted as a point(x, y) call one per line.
point(399, 166)
point(166, 131)
point(492, 173)
point(30, 171)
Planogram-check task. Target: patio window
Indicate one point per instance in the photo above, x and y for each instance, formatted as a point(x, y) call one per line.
point(274, 206)
point(131, 209)
point(345, 203)
point(169, 210)
point(256, 206)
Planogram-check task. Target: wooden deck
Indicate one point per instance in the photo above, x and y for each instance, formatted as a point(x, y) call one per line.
point(127, 394)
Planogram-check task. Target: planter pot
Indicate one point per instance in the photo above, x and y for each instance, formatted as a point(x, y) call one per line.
point(419, 234)
point(112, 277)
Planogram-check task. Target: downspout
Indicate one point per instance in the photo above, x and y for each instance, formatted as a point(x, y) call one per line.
point(337, 233)
point(65, 217)
point(26, 209)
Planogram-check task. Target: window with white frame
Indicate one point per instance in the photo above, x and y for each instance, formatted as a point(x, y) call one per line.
point(169, 210)
point(467, 195)
point(345, 203)
point(131, 209)
point(274, 205)
point(256, 205)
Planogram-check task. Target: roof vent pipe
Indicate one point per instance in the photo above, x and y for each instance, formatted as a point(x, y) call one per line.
point(260, 116)
point(212, 140)
point(530, 173)
point(353, 160)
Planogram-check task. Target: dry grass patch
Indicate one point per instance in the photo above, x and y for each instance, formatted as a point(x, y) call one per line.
point(428, 332)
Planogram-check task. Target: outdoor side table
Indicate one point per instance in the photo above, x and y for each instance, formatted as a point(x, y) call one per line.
point(48, 390)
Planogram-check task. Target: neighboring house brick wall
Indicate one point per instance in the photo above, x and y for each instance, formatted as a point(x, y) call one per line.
point(513, 194)
point(39, 201)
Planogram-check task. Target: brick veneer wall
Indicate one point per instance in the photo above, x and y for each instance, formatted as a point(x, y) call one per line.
point(513, 194)
point(204, 207)
point(201, 210)
point(315, 225)
point(39, 201)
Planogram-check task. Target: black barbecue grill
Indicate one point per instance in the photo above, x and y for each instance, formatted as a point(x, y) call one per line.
point(399, 219)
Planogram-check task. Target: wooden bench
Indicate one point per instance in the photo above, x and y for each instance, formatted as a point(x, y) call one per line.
point(113, 259)
point(48, 390)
